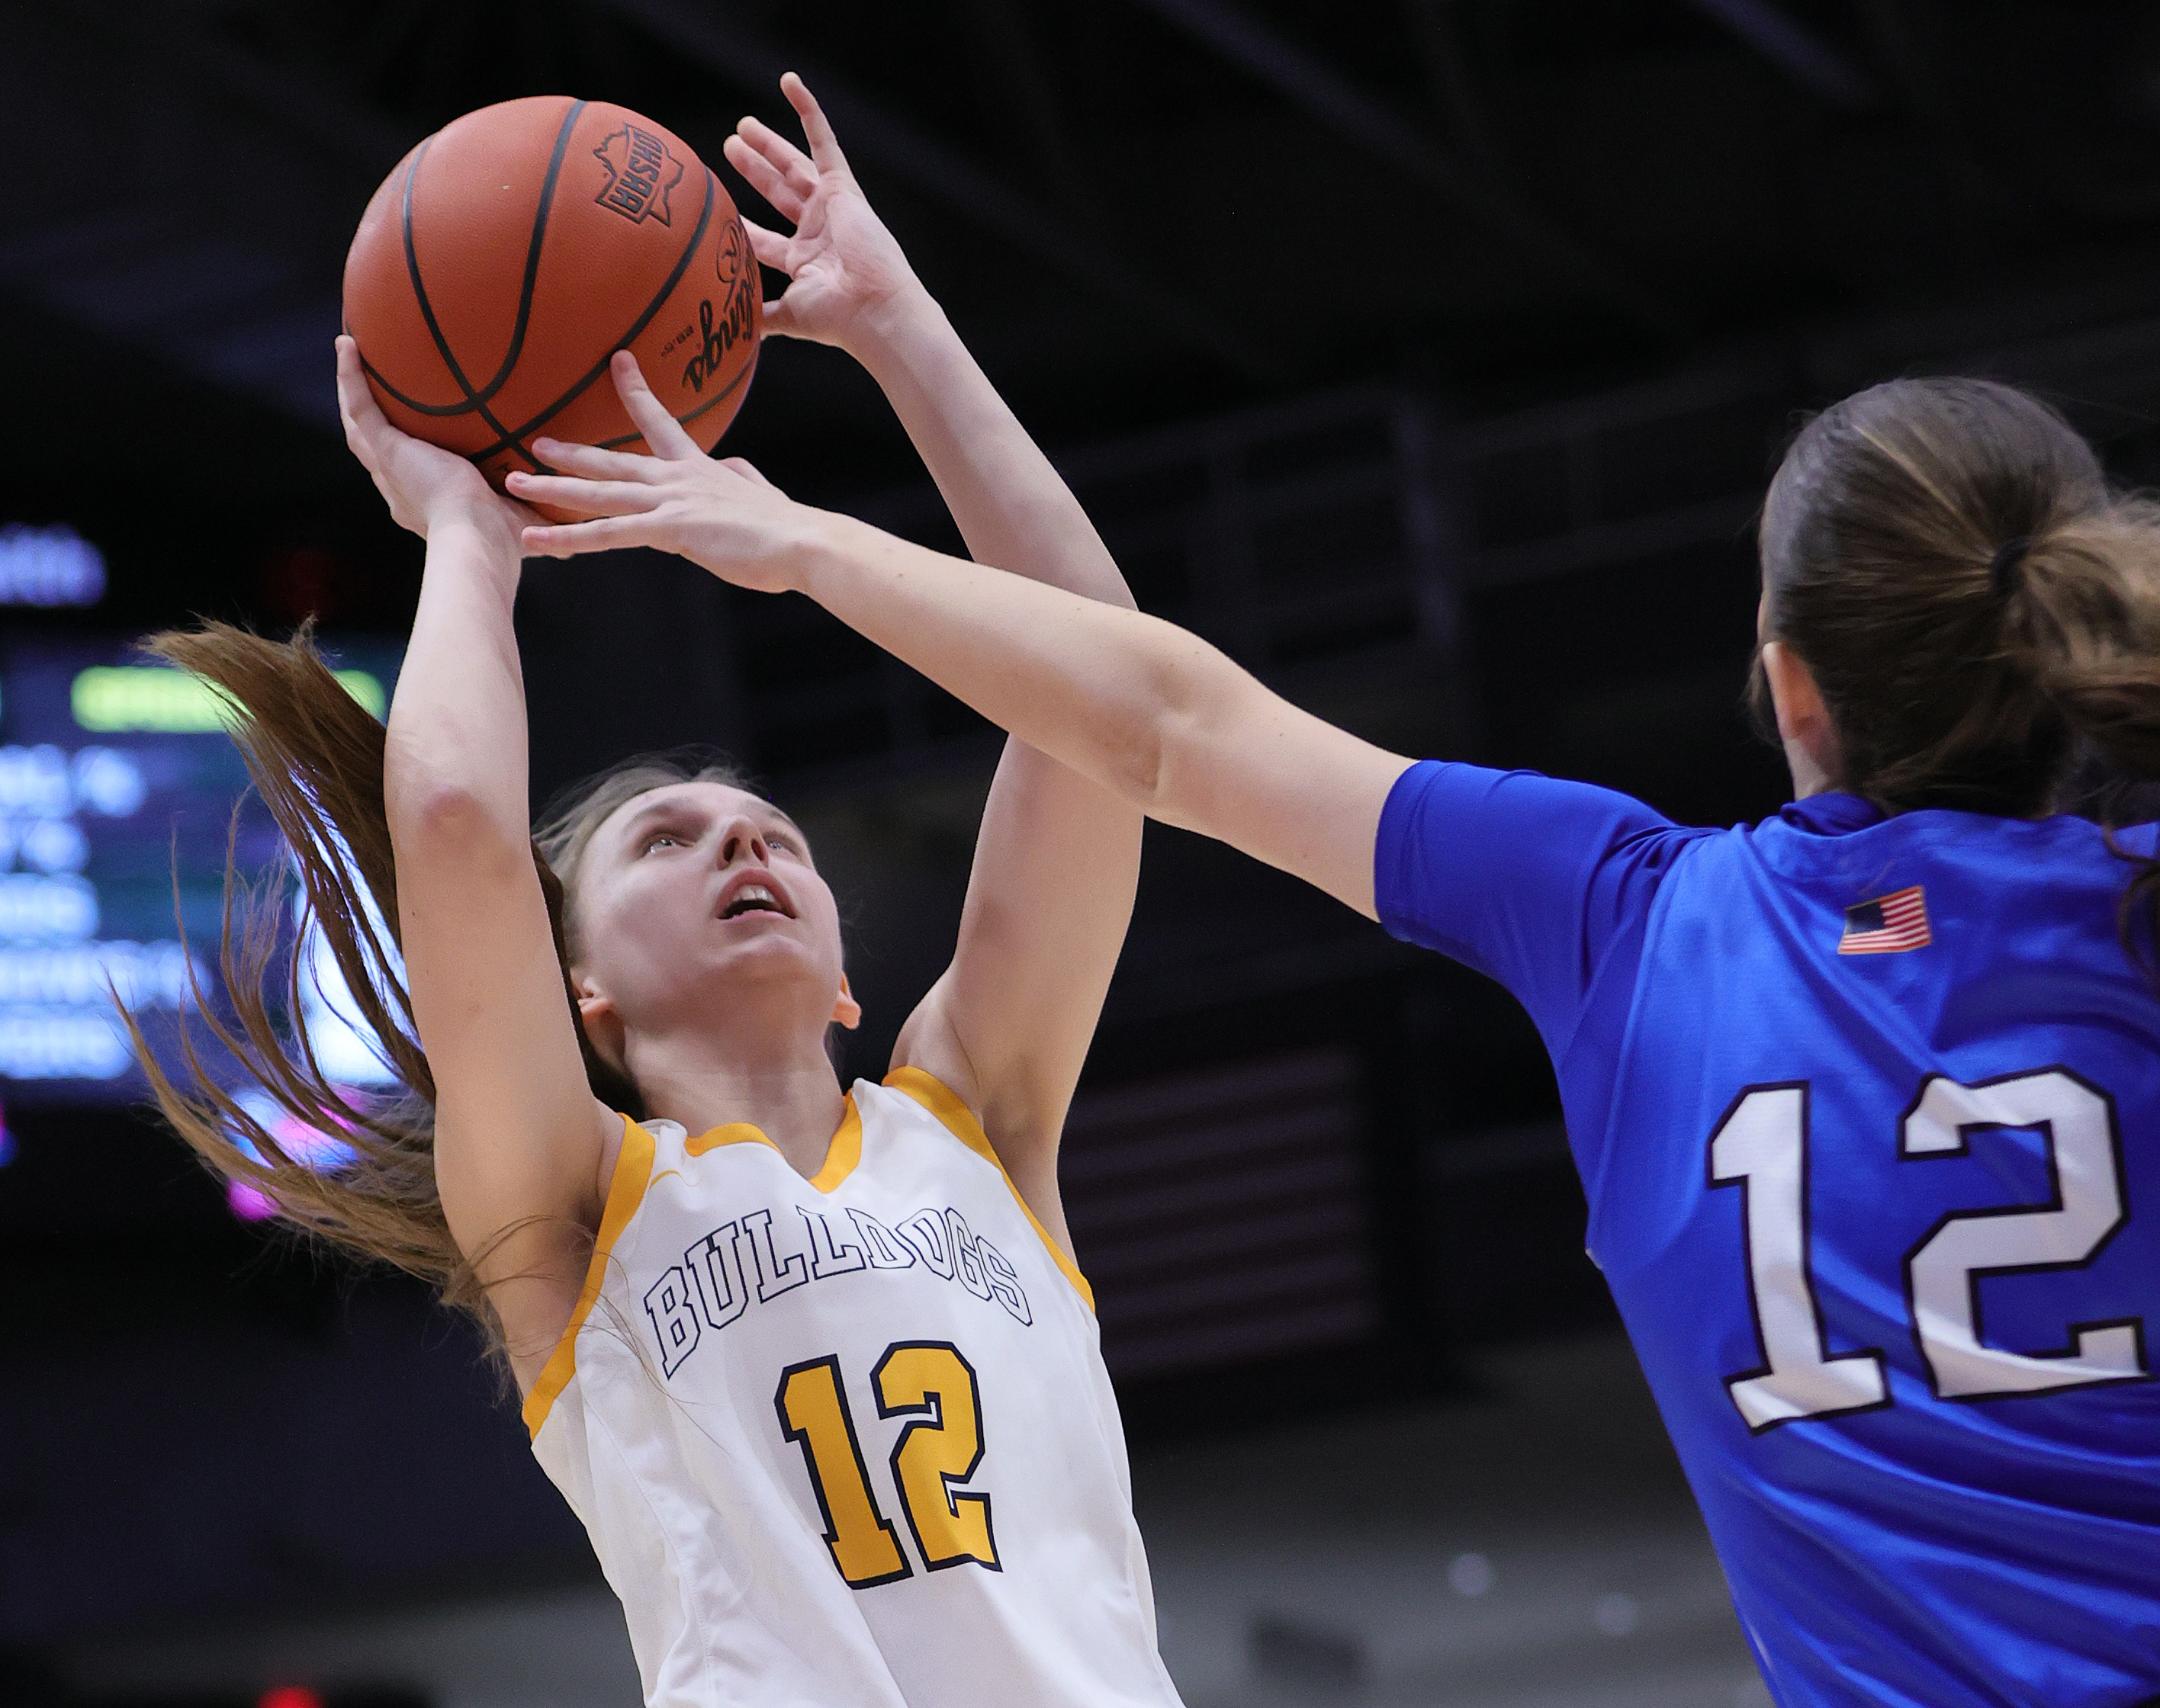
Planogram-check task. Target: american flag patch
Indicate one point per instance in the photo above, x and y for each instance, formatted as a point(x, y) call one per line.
point(1886, 925)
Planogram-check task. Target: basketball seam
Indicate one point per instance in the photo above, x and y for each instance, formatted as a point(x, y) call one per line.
point(438, 410)
point(427, 309)
point(374, 373)
point(533, 251)
point(512, 438)
point(486, 392)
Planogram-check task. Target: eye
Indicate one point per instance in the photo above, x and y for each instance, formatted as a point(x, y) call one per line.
point(660, 838)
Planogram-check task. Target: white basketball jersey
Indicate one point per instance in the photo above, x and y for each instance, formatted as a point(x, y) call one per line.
point(847, 1442)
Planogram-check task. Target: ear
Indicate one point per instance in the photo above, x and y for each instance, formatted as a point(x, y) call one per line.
point(603, 1025)
point(1804, 720)
point(846, 1010)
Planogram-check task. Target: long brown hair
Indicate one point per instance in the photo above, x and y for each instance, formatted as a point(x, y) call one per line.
point(315, 757)
point(1979, 608)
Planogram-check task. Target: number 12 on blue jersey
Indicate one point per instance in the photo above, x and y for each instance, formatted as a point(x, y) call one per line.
point(1761, 1147)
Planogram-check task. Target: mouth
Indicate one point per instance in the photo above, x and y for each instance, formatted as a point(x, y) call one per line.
point(754, 898)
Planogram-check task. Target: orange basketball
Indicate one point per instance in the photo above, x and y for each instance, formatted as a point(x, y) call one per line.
point(511, 254)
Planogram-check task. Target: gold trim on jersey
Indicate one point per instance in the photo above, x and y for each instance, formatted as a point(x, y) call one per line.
point(633, 1173)
point(841, 1154)
point(735, 1133)
point(633, 1176)
point(935, 1096)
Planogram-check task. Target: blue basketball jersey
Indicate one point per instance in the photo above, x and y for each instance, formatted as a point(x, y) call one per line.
point(1868, 1113)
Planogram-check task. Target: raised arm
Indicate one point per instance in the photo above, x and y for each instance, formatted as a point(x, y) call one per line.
point(518, 1133)
point(1057, 857)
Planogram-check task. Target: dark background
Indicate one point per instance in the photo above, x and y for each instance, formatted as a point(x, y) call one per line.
point(1428, 356)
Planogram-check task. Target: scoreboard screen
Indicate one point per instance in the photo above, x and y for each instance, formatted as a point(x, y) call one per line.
point(118, 789)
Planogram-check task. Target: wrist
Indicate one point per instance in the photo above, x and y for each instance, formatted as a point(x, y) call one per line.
point(897, 330)
point(481, 514)
point(824, 555)
point(488, 531)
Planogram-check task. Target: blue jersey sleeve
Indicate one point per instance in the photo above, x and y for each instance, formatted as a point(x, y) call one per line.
point(1536, 883)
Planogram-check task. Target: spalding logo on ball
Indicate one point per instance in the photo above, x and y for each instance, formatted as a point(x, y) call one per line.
point(514, 251)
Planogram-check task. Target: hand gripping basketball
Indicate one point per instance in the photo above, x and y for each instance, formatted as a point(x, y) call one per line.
point(422, 484)
point(724, 516)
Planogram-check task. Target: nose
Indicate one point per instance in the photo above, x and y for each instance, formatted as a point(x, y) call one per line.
point(741, 840)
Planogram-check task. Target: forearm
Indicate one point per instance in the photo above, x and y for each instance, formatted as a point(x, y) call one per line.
point(1154, 715)
point(1012, 508)
point(1105, 690)
point(457, 732)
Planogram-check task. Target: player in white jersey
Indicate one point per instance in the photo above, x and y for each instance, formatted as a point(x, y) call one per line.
point(857, 1445)
point(816, 1367)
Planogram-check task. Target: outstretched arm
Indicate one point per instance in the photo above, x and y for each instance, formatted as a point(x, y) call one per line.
point(518, 1133)
point(1057, 857)
point(1155, 714)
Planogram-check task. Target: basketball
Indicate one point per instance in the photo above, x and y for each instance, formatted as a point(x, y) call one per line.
point(511, 254)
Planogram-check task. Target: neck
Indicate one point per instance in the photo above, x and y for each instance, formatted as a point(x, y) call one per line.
point(1810, 776)
point(781, 1082)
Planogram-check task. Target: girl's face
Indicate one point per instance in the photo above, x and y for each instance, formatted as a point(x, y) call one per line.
point(697, 902)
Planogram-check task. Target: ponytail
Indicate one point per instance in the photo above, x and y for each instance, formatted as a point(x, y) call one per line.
point(2082, 615)
point(316, 759)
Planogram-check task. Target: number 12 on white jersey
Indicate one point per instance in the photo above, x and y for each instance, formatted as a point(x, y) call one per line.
point(1760, 1146)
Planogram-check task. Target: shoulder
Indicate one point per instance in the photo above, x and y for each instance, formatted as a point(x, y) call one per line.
point(1438, 801)
point(1457, 838)
point(1543, 884)
point(915, 1096)
point(2027, 853)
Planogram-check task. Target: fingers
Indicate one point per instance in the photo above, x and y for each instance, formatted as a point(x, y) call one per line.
point(589, 498)
point(779, 318)
point(356, 399)
point(767, 177)
point(778, 253)
point(357, 408)
point(608, 534)
point(824, 146)
point(662, 433)
point(780, 151)
point(352, 391)
point(768, 247)
point(595, 463)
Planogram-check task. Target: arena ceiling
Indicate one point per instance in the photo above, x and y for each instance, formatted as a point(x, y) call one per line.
point(1138, 210)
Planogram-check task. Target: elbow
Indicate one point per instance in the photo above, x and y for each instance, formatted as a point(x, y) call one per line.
point(438, 818)
point(433, 796)
point(1163, 730)
point(1134, 756)
point(433, 806)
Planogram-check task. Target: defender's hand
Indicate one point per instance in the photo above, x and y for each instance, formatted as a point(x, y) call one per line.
point(724, 517)
point(844, 267)
point(422, 484)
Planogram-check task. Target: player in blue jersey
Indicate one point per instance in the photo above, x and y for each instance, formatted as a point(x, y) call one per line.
point(1865, 1098)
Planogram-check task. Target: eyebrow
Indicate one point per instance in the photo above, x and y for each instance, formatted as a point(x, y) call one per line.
point(676, 804)
point(653, 809)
